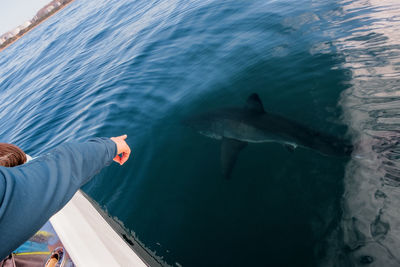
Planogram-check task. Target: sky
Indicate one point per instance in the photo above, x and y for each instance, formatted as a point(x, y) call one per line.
point(15, 12)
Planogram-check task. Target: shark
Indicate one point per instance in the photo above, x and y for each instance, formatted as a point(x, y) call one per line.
point(238, 126)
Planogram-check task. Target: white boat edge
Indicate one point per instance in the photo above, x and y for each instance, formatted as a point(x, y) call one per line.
point(92, 238)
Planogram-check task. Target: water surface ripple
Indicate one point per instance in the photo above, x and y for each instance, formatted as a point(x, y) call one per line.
point(371, 217)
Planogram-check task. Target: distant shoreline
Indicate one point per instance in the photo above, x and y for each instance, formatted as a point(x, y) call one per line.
point(12, 40)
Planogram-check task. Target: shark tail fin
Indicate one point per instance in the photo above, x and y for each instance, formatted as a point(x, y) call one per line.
point(230, 150)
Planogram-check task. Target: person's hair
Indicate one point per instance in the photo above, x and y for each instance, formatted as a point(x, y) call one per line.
point(11, 155)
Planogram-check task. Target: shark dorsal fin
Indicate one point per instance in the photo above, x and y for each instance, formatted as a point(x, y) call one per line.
point(254, 103)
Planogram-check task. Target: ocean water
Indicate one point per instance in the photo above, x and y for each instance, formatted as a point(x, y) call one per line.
point(105, 68)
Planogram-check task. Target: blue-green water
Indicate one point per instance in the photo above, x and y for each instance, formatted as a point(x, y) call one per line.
point(104, 68)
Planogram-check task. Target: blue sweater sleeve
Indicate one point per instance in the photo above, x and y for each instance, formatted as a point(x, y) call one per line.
point(31, 193)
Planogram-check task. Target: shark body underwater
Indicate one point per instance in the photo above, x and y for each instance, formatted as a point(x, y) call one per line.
point(236, 127)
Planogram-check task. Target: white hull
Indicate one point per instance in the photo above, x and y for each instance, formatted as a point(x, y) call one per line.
point(89, 238)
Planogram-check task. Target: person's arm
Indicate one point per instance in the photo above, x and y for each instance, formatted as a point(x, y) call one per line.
point(31, 193)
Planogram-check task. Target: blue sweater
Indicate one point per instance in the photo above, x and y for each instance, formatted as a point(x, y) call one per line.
point(31, 193)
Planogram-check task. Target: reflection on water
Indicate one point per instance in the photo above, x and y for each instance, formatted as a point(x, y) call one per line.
point(371, 218)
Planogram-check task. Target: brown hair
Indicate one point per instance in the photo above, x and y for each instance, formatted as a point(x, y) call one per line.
point(11, 155)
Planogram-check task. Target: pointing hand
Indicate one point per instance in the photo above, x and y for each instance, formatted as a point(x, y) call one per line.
point(122, 148)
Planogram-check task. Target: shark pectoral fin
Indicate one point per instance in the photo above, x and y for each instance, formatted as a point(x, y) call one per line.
point(229, 152)
point(290, 147)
